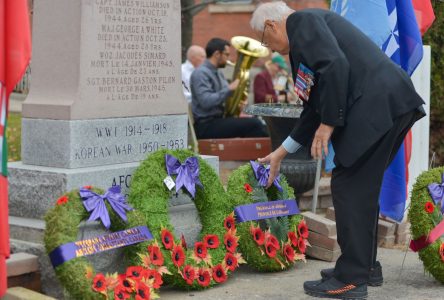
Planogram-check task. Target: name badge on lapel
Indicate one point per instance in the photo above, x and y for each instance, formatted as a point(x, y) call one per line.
point(304, 82)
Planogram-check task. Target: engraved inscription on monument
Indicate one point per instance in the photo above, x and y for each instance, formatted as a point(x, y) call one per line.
point(126, 140)
point(131, 59)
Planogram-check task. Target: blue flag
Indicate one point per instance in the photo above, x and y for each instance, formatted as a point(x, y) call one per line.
point(404, 47)
point(370, 16)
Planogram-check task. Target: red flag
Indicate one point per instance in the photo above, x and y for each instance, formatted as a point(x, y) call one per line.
point(15, 53)
point(424, 14)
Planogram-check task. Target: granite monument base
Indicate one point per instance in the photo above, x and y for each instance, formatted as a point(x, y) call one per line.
point(97, 142)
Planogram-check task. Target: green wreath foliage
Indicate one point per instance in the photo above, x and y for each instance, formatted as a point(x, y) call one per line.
point(281, 227)
point(62, 226)
point(149, 195)
point(422, 222)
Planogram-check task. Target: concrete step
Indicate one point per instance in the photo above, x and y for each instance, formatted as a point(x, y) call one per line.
point(324, 196)
point(23, 270)
point(21, 293)
point(320, 224)
point(22, 263)
point(26, 229)
point(49, 282)
point(323, 241)
point(323, 253)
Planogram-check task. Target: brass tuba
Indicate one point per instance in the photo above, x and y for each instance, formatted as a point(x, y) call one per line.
point(248, 50)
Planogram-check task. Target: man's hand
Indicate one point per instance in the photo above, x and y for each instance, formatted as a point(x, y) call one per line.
point(232, 86)
point(320, 141)
point(274, 159)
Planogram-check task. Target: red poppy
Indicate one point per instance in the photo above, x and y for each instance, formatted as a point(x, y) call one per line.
point(248, 188)
point(178, 255)
point(441, 251)
point(88, 187)
point(167, 239)
point(289, 253)
point(301, 245)
point(231, 261)
point(189, 274)
point(183, 242)
point(211, 241)
point(125, 283)
point(153, 274)
point(200, 250)
point(429, 207)
point(121, 293)
point(62, 200)
point(203, 277)
point(99, 283)
point(270, 249)
point(230, 242)
point(303, 229)
point(293, 238)
point(258, 235)
point(274, 241)
point(219, 274)
point(135, 272)
point(156, 256)
point(142, 291)
point(229, 222)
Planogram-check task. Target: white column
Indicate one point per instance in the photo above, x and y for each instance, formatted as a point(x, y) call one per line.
point(419, 161)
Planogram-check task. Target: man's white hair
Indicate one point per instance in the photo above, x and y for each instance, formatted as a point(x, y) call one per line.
point(274, 11)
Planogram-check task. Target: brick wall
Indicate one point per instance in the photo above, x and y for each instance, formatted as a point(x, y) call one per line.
point(228, 20)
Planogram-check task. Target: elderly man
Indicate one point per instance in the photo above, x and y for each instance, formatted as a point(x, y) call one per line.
point(195, 57)
point(355, 97)
point(210, 90)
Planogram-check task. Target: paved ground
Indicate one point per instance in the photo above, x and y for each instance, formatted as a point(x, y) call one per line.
point(406, 281)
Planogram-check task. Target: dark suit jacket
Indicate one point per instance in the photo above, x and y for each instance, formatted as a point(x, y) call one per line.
point(263, 85)
point(357, 88)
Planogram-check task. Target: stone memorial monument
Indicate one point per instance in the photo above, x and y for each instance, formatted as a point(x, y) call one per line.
point(105, 93)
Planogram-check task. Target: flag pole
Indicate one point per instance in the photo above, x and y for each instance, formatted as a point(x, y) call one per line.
point(314, 203)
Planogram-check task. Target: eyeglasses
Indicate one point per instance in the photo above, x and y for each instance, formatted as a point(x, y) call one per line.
point(263, 34)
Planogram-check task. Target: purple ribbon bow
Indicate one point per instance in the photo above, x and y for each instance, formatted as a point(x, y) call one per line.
point(187, 173)
point(96, 203)
point(436, 191)
point(262, 173)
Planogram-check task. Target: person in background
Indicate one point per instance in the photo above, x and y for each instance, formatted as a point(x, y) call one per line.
point(273, 84)
point(356, 98)
point(210, 90)
point(195, 57)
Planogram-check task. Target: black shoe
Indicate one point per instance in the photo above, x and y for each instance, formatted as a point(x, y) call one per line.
point(375, 278)
point(333, 288)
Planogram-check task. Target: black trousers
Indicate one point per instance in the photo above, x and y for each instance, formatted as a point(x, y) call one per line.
point(230, 128)
point(355, 192)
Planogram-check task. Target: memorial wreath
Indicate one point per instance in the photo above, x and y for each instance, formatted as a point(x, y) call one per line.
point(273, 234)
point(67, 254)
point(159, 178)
point(427, 222)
